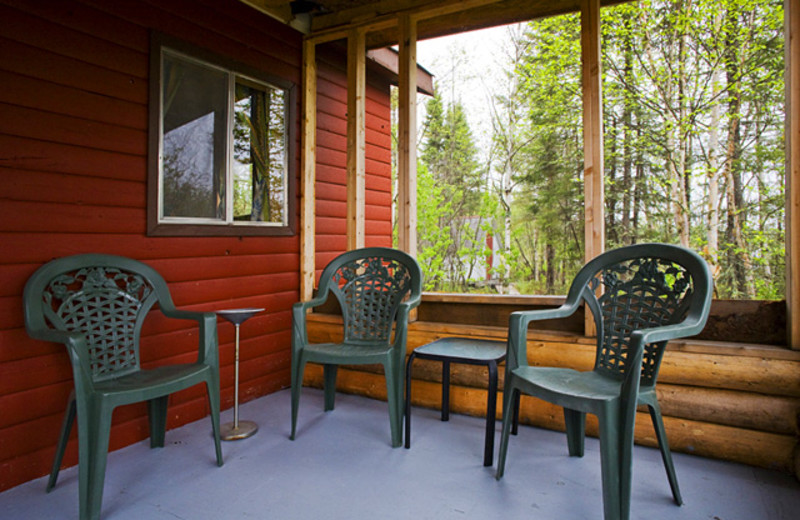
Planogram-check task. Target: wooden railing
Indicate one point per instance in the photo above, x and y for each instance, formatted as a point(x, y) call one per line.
point(720, 399)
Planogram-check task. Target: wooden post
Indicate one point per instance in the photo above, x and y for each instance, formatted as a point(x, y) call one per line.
point(356, 138)
point(792, 78)
point(594, 231)
point(407, 138)
point(308, 160)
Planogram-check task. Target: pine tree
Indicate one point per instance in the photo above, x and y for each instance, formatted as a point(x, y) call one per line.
point(449, 156)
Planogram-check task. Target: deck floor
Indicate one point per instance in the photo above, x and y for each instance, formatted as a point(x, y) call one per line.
point(342, 467)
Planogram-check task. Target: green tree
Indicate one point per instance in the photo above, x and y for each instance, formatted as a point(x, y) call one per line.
point(552, 185)
point(433, 240)
point(449, 156)
point(693, 97)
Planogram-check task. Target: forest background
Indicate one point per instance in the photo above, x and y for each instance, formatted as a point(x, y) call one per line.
point(693, 103)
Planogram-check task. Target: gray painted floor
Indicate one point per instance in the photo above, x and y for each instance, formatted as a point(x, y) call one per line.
point(342, 467)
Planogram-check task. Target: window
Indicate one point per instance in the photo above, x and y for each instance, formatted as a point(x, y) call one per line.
point(221, 158)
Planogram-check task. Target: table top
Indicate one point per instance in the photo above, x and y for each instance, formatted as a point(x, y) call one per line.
point(238, 316)
point(466, 349)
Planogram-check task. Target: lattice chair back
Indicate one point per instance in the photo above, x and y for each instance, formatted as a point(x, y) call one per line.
point(653, 289)
point(106, 299)
point(369, 288)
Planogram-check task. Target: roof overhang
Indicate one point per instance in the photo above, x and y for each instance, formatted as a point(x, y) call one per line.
point(436, 18)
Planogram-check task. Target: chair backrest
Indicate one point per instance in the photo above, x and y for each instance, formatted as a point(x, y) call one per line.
point(103, 297)
point(641, 287)
point(370, 284)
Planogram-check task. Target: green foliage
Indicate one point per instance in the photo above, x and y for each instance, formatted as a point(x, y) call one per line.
point(693, 149)
point(433, 240)
point(676, 74)
point(449, 153)
point(450, 200)
point(549, 211)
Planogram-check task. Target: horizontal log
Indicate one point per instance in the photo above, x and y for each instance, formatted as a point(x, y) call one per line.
point(753, 369)
point(761, 412)
point(729, 320)
point(763, 449)
point(732, 372)
point(755, 448)
point(737, 402)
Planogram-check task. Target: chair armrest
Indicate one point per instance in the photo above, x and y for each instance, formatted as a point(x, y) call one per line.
point(401, 329)
point(688, 327)
point(56, 336)
point(518, 324)
point(75, 342)
point(299, 328)
point(310, 304)
point(629, 391)
point(413, 301)
point(207, 341)
point(185, 315)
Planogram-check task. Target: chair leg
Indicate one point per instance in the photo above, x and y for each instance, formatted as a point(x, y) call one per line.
point(394, 398)
point(610, 462)
point(515, 428)
point(298, 366)
point(212, 387)
point(491, 412)
point(504, 405)
point(93, 433)
point(576, 431)
point(666, 456)
point(63, 438)
point(407, 404)
point(157, 409)
point(329, 375)
point(508, 406)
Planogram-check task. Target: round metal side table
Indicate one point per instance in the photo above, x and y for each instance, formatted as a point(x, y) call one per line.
point(236, 430)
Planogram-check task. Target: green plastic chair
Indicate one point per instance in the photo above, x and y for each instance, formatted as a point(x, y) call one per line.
point(371, 286)
point(648, 294)
point(95, 305)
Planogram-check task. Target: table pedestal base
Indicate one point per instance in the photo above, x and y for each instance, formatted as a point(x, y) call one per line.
point(228, 432)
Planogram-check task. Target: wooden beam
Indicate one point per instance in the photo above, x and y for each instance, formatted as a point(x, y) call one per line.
point(592, 128)
point(339, 33)
point(281, 11)
point(594, 230)
point(792, 78)
point(356, 138)
point(383, 15)
point(407, 138)
point(390, 60)
point(308, 161)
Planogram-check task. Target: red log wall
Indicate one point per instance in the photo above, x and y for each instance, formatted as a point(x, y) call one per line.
point(73, 170)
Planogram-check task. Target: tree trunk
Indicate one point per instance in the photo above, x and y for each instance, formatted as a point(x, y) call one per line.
point(680, 187)
point(740, 259)
point(627, 119)
point(612, 187)
point(714, 152)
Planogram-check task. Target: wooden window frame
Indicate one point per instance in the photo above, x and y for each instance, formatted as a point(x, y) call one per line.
point(160, 41)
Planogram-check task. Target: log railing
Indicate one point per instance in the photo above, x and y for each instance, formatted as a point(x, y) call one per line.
point(724, 400)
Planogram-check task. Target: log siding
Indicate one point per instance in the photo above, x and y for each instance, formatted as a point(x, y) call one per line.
point(73, 161)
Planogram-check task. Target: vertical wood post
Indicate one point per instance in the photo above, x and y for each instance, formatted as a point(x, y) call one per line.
point(356, 139)
point(407, 137)
point(792, 78)
point(308, 161)
point(594, 232)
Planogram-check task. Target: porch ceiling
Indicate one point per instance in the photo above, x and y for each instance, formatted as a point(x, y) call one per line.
point(315, 16)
